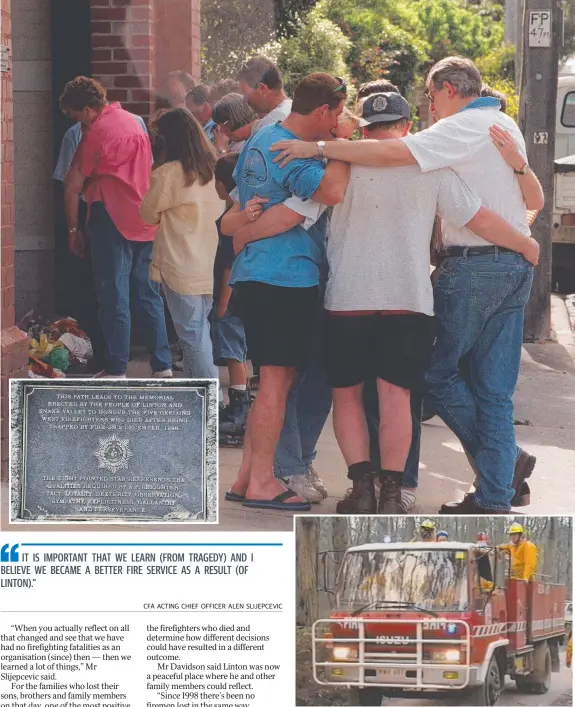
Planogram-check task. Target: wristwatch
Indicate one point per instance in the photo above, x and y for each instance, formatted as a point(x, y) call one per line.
point(320, 148)
point(523, 169)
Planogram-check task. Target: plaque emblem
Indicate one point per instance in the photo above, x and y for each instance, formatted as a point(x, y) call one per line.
point(113, 453)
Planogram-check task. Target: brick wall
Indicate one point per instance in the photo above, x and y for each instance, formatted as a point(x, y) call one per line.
point(135, 43)
point(14, 342)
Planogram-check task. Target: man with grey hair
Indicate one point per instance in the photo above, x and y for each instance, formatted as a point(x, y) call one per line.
point(482, 289)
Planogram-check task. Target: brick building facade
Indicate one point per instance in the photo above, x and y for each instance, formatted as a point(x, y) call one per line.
point(14, 342)
point(134, 44)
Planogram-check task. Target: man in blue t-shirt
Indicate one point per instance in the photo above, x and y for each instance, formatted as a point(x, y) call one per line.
point(276, 280)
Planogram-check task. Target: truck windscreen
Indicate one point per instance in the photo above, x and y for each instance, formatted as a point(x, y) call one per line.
point(433, 580)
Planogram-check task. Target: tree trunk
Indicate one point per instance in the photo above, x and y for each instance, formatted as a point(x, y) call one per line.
point(339, 526)
point(307, 539)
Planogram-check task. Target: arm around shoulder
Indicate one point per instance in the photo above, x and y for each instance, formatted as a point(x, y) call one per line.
point(331, 190)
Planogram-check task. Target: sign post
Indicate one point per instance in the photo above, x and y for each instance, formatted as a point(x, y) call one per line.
point(542, 32)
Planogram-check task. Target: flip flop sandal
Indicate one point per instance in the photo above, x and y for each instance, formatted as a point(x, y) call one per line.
point(278, 504)
point(235, 497)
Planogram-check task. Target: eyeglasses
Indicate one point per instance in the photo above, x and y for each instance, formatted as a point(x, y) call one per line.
point(342, 86)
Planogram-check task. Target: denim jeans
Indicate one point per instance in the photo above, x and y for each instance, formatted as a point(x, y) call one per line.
point(479, 306)
point(308, 407)
point(371, 406)
point(190, 316)
point(119, 266)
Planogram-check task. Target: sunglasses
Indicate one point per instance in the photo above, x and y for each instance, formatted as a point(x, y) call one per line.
point(342, 86)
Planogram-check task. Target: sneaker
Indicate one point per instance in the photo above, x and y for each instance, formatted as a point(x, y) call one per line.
point(178, 366)
point(316, 481)
point(408, 499)
point(390, 497)
point(301, 485)
point(163, 374)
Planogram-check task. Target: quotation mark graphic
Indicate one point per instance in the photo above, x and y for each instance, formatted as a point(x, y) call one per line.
point(9, 554)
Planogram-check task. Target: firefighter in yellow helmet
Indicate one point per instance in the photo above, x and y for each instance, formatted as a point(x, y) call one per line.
point(569, 652)
point(523, 553)
point(427, 532)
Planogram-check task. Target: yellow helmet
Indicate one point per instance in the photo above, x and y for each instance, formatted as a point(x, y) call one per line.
point(515, 528)
point(428, 524)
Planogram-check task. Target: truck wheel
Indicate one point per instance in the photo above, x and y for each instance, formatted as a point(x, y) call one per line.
point(489, 692)
point(370, 696)
point(539, 681)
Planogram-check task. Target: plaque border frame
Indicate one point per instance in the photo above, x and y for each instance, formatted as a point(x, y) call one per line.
point(20, 390)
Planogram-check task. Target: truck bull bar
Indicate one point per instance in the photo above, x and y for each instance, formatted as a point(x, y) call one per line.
point(374, 662)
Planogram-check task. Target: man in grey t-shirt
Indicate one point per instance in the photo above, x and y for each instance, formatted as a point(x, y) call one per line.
point(379, 299)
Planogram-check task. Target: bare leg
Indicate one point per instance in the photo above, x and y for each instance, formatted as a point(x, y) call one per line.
point(241, 483)
point(350, 425)
point(238, 372)
point(395, 425)
point(264, 426)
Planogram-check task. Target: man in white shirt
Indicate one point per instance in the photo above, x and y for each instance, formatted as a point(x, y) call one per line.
point(262, 87)
point(482, 291)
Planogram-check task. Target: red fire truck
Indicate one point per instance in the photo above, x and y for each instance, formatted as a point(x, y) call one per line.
point(424, 619)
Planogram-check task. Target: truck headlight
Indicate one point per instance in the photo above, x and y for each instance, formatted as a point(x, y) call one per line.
point(453, 655)
point(344, 653)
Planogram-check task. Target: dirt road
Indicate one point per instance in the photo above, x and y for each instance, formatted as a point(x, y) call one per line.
point(310, 693)
point(561, 685)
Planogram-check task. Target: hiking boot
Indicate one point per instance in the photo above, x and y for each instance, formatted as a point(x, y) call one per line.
point(302, 485)
point(361, 500)
point(233, 418)
point(523, 469)
point(316, 481)
point(469, 507)
point(390, 496)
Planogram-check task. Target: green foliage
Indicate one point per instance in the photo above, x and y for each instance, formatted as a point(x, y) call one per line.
point(395, 56)
point(449, 27)
point(318, 45)
point(569, 28)
point(364, 39)
point(401, 39)
point(498, 64)
point(507, 88)
point(231, 30)
point(498, 71)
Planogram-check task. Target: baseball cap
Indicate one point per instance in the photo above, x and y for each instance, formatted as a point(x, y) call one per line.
point(384, 108)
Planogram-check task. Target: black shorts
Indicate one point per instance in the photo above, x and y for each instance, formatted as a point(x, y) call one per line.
point(394, 347)
point(279, 322)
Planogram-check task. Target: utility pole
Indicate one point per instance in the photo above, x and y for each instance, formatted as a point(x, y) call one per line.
point(541, 38)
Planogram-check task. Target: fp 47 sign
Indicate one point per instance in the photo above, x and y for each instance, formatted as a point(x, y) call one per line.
point(539, 28)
